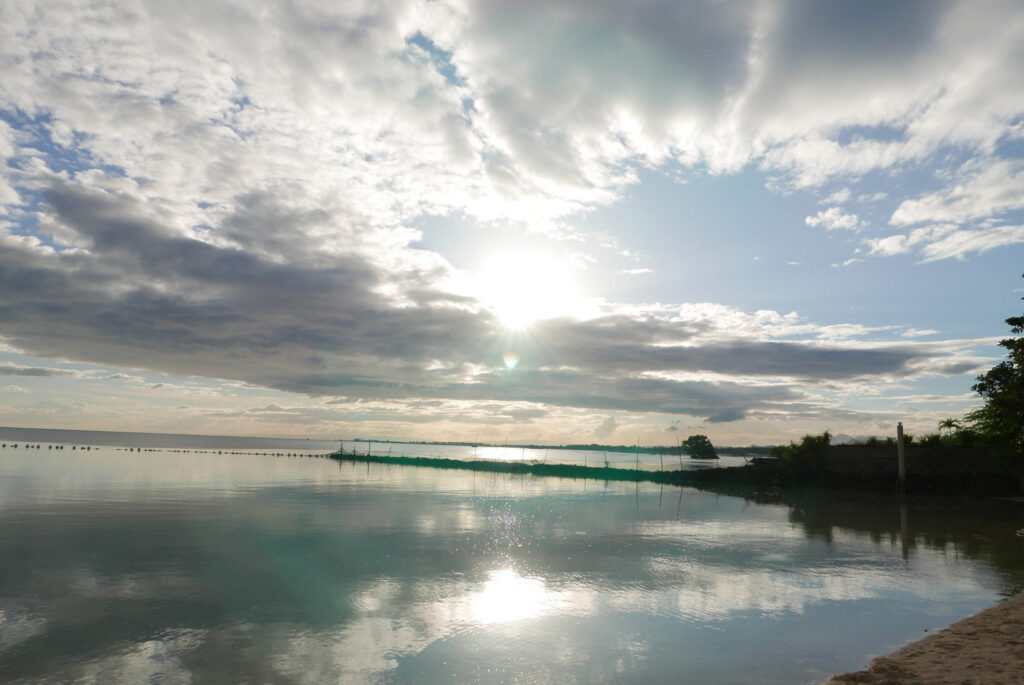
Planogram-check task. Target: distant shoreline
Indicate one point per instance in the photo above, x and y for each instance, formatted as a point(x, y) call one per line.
point(24, 434)
point(589, 447)
point(158, 440)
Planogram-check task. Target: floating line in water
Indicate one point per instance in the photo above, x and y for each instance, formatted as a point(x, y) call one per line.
point(533, 468)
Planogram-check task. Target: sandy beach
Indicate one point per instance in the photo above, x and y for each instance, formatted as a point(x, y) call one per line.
point(985, 648)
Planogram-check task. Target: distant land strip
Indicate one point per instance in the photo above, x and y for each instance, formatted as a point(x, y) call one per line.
point(672, 450)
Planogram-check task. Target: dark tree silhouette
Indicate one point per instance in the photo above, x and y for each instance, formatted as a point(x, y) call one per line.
point(699, 447)
point(1002, 417)
point(949, 425)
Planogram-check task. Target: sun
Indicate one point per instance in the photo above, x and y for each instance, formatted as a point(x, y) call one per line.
point(522, 286)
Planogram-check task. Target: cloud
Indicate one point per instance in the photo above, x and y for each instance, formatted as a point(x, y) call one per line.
point(813, 92)
point(727, 416)
point(962, 243)
point(138, 293)
point(33, 371)
point(833, 219)
point(991, 187)
point(962, 218)
point(606, 428)
point(180, 198)
point(946, 241)
point(837, 198)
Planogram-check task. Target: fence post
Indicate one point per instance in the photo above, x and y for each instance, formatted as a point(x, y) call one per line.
point(901, 455)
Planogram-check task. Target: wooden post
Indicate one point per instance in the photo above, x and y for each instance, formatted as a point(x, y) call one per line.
point(901, 455)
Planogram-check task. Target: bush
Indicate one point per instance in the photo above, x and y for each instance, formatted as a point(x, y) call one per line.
point(967, 437)
point(809, 453)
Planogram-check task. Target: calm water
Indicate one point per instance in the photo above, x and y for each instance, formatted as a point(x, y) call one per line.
point(170, 567)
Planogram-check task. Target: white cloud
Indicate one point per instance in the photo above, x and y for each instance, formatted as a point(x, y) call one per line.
point(815, 92)
point(991, 187)
point(902, 244)
point(837, 198)
point(946, 241)
point(961, 243)
point(834, 219)
point(8, 195)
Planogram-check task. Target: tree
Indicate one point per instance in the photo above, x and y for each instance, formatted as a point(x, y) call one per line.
point(1001, 419)
point(949, 425)
point(699, 447)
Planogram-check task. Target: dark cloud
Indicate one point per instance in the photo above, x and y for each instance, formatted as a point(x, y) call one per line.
point(618, 344)
point(862, 35)
point(956, 368)
point(727, 416)
point(143, 295)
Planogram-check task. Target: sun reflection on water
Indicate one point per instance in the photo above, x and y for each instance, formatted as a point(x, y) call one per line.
point(507, 597)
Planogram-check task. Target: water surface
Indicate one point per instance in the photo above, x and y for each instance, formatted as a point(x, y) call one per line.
point(171, 567)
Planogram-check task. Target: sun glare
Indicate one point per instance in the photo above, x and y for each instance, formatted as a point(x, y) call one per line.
point(521, 287)
point(507, 596)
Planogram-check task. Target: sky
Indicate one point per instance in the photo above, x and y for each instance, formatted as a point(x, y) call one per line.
point(544, 222)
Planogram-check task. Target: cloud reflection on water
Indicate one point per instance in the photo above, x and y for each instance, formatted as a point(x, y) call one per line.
point(399, 574)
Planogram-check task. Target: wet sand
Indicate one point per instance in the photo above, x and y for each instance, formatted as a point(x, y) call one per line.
point(985, 648)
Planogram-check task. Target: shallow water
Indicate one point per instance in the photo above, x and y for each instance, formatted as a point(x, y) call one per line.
point(172, 567)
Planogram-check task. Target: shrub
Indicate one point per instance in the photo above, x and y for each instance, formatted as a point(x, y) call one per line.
point(809, 453)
